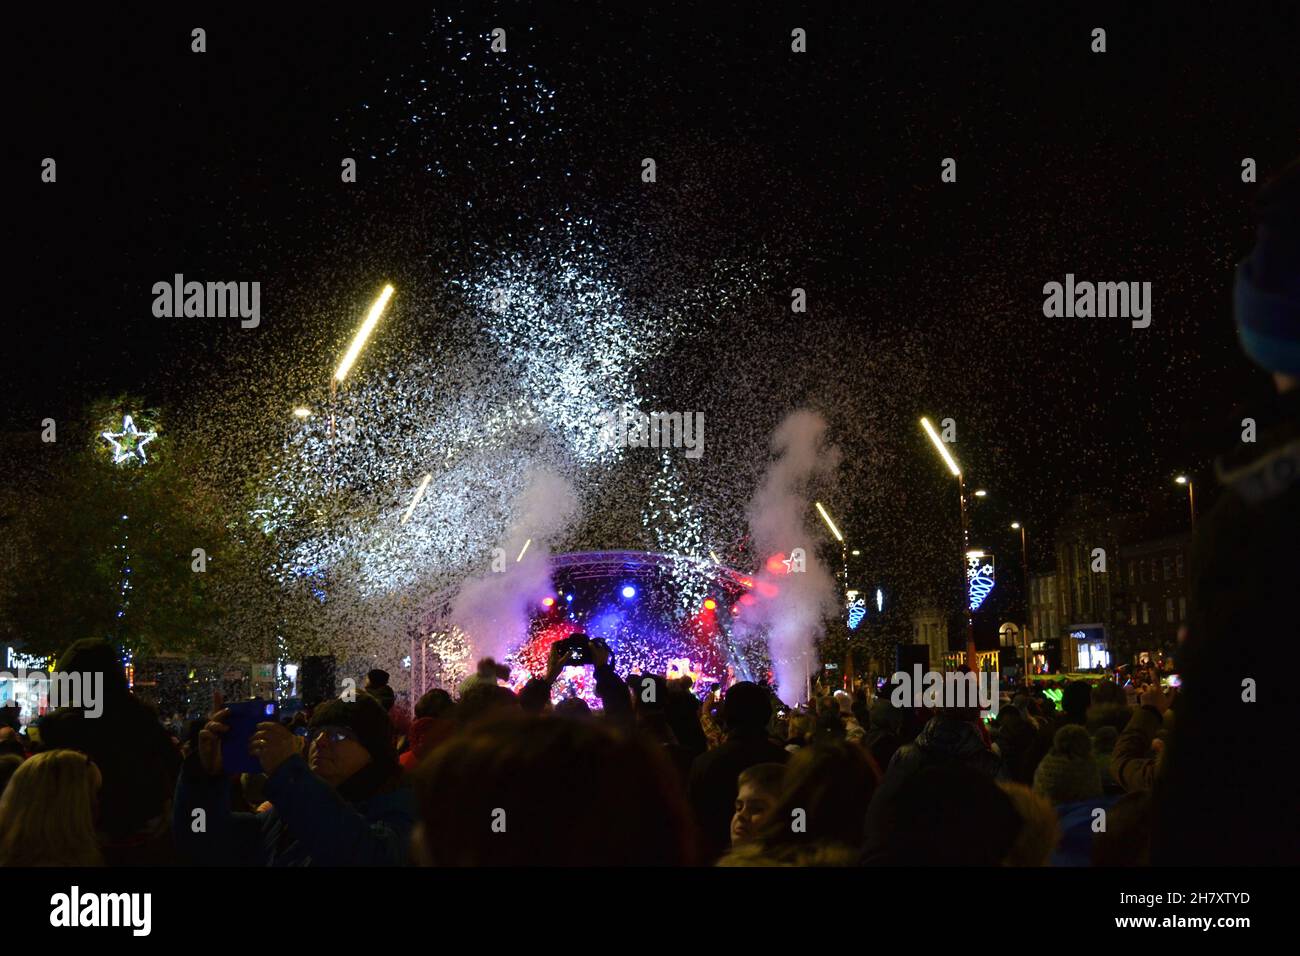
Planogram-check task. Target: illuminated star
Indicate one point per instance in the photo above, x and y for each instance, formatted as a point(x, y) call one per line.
point(129, 442)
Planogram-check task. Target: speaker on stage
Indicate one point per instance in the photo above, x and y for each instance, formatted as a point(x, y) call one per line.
point(907, 655)
point(317, 679)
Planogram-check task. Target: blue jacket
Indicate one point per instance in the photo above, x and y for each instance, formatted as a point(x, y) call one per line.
point(1075, 820)
point(309, 823)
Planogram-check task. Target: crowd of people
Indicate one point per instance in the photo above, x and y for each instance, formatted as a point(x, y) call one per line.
point(658, 776)
point(655, 776)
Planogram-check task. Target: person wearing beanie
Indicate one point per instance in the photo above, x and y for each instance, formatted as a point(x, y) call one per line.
point(1221, 762)
point(344, 804)
point(1068, 776)
point(1068, 773)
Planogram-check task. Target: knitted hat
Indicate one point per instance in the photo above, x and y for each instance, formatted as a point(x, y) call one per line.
point(1069, 772)
point(1266, 297)
point(366, 717)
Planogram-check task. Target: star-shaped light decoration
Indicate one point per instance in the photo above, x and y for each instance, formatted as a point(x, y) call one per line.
point(129, 442)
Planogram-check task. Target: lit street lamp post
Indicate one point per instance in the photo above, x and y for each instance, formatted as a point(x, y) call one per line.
point(844, 566)
point(1191, 496)
point(350, 357)
point(1024, 567)
point(972, 658)
point(844, 553)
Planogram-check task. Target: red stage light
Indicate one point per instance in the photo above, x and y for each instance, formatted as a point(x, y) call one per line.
point(776, 564)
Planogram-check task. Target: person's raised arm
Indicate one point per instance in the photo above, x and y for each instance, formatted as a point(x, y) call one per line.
point(203, 825)
point(612, 691)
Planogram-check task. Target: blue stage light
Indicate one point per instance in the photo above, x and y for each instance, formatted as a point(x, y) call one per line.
point(629, 591)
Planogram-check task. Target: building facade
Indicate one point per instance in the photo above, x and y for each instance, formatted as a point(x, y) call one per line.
point(1155, 587)
point(1044, 617)
point(1087, 575)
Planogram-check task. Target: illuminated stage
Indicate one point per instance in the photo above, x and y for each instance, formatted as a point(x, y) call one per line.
point(662, 614)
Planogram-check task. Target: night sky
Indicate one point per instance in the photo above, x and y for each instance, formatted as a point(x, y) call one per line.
point(775, 170)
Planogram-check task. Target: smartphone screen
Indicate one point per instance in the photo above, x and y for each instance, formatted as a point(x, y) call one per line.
point(244, 717)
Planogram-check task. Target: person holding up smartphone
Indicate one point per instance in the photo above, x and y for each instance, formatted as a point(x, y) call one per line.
point(577, 650)
point(341, 803)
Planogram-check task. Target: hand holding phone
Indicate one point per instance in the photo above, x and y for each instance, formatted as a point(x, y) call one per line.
point(212, 735)
point(273, 744)
point(575, 650)
point(241, 720)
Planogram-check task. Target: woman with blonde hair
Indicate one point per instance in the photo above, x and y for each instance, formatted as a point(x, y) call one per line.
point(47, 813)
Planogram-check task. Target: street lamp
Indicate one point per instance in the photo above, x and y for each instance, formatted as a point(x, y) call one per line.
point(1191, 495)
point(363, 333)
point(302, 412)
point(844, 557)
point(972, 659)
point(419, 493)
point(350, 356)
point(1024, 567)
point(981, 493)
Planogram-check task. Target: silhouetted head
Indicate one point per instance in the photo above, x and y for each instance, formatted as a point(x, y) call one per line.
point(546, 791)
point(746, 709)
point(435, 703)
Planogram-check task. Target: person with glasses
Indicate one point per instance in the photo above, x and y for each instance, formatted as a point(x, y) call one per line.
point(336, 800)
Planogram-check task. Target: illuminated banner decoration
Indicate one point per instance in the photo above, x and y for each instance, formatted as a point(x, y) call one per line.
point(857, 611)
point(979, 577)
point(857, 608)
